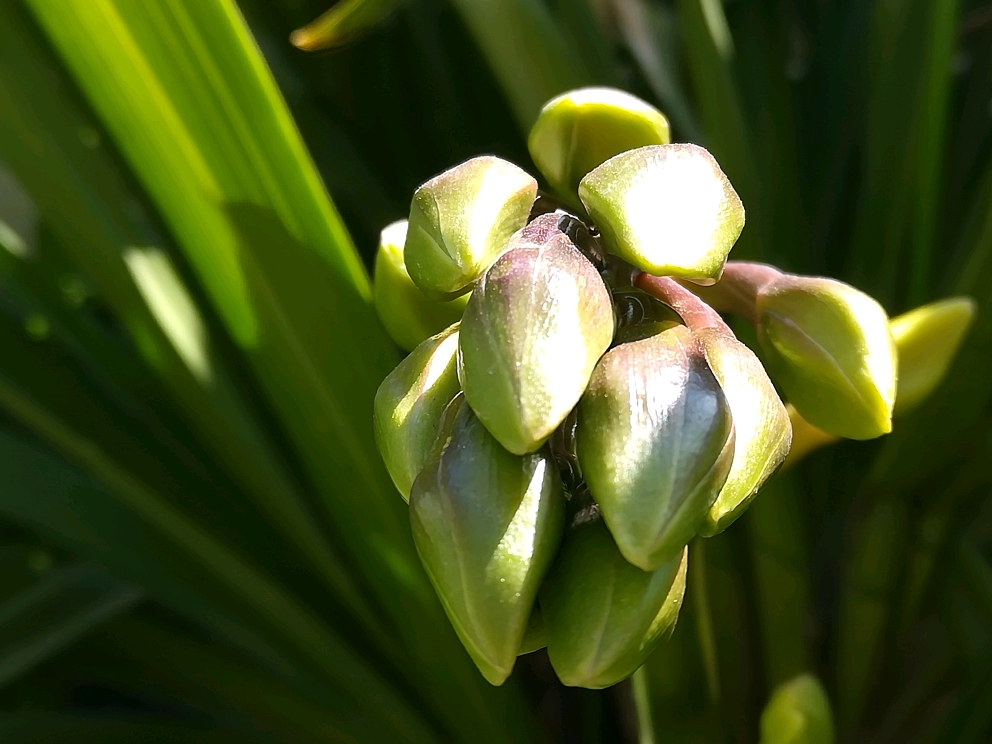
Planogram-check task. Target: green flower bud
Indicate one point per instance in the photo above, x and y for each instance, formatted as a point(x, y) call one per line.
point(461, 220)
point(655, 441)
point(534, 637)
point(407, 314)
point(761, 423)
point(668, 210)
point(533, 330)
point(409, 403)
point(603, 617)
point(581, 129)
point(927, 340)
point(828, 347)
point(798, 713)
point(487, 525)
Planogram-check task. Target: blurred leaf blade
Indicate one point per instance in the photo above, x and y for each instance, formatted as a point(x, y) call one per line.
point(344, 22)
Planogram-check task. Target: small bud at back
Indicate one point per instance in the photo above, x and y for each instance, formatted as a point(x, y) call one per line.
point(409, 403)
point(407, 314)
point(581, 129)
point(669, 210)
point(798, 713)
point(461, 220)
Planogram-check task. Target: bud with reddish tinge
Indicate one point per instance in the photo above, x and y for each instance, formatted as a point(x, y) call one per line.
point(409, 404)
point(581, 129)
point(461, 220)
point(668, 210)
point(486, 525)
point(408, 315)
point(533, 330)
point(603, 616)
point(655, 440)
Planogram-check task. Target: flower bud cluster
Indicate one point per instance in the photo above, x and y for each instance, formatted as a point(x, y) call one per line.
point(572, 416)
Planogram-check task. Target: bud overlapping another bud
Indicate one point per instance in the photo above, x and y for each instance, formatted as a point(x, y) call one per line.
point(655, 441)
point(535, 327)
point(461, 220)
point(487, 525)
point(603, 616)
point(408, 315)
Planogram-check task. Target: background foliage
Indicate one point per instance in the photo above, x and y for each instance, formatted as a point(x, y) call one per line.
point(197, 539)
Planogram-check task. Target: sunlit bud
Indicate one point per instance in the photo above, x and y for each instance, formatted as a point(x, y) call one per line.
point(762, 429)
point(667, 209)
point(409, 403)
point(603, 617)
point(487, 525)
point(581, 129)
point(407, 314)
point(655, 441)
point(927, 340)
point(534, 328)
point(798, 713)
point(829, 349)
point(534, 637)
point(461, 220)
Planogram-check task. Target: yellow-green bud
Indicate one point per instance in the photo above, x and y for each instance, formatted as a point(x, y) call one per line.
point(669, 210)
point(461, 220)
point(581, 129)
point(407, 314)
point(828, 347)
point(655, 441)
point(927, 340)
point(761, 423)
point(602, 616)
point(533, 330)
point(798, 713)
point(487, 526)
point(409, 404)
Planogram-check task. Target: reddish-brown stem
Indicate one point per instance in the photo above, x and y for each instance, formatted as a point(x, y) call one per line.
point(696, 314)
point(737, 290)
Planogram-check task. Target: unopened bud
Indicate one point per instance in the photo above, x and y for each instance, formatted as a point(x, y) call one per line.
point(486, 525)
point(761, 424)
point(798, 713)
point(409, 404)
point(533, 330)
point(461, 220)
point(534, 637)
point(407, 314)
point(927, 340)
point(581, 129)
point(828, 347)
point(603, 617)
point(668, 210)
point(655, 441)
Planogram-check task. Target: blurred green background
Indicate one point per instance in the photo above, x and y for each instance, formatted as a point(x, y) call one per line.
point(198, 541)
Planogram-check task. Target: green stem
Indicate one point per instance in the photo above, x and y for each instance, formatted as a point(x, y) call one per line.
point(642, 702)
point(704, 619)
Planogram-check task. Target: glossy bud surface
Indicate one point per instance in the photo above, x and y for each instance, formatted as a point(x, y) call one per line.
point(668, 210)
point(407, 314)
point(533, 330)
point(461, 220)
point(655, 440)
point(581, 129)
point(409, 403)
point(828, 347)
point(603, 616)
point(486, 525)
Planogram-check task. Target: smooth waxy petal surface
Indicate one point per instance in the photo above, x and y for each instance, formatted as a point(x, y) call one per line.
point(762, 430)
point(603, 616)
point(487, 525)
point(655, 441)
point(408, 315)
point(581, 129)
point(668, 210)
point(829, 349)
point(533, 330)
point(409, 403)
point(461, 220)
